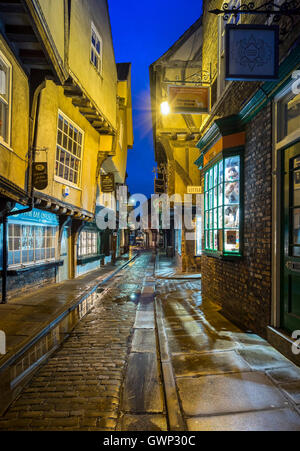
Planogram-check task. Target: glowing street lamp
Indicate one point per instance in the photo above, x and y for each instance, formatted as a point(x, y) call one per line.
point(165, 108)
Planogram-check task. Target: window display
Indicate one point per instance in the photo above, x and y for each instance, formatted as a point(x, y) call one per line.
point(88, 244)
point(30, 244)
point(222, 206)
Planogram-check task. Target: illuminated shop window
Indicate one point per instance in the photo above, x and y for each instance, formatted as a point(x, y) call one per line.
point(222, 207)
point(5, 99)
point(96, 49)
point(88, 244)
point(68, 150)
point(30, 244)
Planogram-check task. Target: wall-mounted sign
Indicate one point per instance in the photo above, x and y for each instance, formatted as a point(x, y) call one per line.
point(107, 183)
point(36, 216)
point(40, 175)
point(194, 190)
point(189, 100)
point(252, 52)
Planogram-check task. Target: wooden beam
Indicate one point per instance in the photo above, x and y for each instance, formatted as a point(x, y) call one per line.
point(33, 57)
point(20, 33)
point(11, 7)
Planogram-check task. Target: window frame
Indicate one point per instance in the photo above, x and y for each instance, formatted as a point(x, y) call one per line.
point(99, 70)
point(84, 245)
point(280, 140)
point(6, 62)
point(35, 261)
point(61, 146)
point(208, 250)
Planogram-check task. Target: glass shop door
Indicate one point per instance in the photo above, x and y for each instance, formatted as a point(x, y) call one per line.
point(291, 240)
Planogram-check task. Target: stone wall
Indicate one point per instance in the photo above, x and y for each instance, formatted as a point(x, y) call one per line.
point(243, 287)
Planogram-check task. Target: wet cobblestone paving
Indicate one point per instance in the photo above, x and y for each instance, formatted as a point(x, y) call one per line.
point(79, 388)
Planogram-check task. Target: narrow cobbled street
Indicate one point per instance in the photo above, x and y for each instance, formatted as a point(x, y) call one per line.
point(184, 368)
point(81, 385)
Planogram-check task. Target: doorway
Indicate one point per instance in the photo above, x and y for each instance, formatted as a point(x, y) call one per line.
point(290, 251)
point(64, 270)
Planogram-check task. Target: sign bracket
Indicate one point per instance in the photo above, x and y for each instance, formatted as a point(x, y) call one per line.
point(289, 9)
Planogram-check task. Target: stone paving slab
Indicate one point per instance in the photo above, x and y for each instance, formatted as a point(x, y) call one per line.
point(228, 393)
point(209, 363)
point(199, 343)
point(292, 390)
point(245, 338)
point(143, 341)
point(143, 423)
point(142, 389)
point(288, 374)
point(144, 320)
point(270, 420)
point(186, 328)
point(263, 357)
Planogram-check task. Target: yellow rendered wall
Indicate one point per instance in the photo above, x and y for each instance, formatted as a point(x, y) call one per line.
point(53, 100)
point(13, 156)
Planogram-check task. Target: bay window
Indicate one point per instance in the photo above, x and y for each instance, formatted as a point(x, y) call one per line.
point(222, 225)
point(29, 244)
point(88, 244)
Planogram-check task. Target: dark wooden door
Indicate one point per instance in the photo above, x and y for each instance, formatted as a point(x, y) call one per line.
point(291, 240)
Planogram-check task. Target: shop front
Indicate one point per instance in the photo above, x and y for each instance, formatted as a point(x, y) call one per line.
point(286, 217)
point(88, 250)
point(32, 239)
point(223, 189)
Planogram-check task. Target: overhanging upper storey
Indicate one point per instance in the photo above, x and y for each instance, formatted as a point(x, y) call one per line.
point(30, 36)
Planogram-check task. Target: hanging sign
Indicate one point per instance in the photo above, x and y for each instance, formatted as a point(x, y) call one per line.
point(40, 175)
point(252, 52)
point(108, 183)
point(159, 186)
point(189, 100)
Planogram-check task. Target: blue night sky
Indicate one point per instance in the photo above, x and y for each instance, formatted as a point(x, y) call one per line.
point(142, 31)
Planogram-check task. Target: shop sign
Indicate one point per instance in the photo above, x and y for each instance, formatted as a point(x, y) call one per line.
point(194, 190)
point(108, 183)
point(252, 52)
point(189, 100)
point(35, 216)
point(40, 175)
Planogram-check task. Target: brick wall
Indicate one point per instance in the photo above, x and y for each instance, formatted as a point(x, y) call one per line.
point(243, 288)
point(26, 281)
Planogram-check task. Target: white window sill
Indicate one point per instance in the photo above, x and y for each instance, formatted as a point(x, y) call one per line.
point(66, 182)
